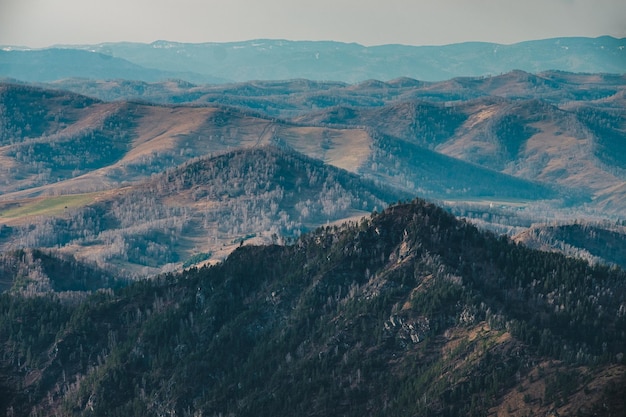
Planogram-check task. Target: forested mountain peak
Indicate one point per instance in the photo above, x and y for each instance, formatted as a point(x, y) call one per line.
point(409, 311)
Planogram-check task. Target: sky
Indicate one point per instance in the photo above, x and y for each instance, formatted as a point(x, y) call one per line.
point(42, 23)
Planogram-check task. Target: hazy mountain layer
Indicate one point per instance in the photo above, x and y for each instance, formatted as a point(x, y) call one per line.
point(280, 59)
point(61, 63)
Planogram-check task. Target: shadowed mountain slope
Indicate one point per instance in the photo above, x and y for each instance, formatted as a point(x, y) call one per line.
point(602, 242)
point(35, 272)
point(409, 312)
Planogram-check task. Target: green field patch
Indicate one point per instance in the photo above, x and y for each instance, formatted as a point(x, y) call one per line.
point(47, 206)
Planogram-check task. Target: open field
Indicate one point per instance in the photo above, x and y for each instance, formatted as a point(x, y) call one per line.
point(43, 206)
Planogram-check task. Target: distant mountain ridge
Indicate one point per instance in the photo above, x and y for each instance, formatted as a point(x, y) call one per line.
point(316, 60)
point(61, 63)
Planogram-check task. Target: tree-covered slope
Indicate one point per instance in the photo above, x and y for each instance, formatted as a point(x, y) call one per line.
point(409, 312)
point(202, 209)
point(35, 272)
point(596, 242)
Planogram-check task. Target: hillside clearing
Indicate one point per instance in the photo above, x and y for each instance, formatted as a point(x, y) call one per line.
point(44, 206)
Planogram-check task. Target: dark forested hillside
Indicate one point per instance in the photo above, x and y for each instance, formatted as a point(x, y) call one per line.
point(408, 312)
point(596, 242)
point(34, 272)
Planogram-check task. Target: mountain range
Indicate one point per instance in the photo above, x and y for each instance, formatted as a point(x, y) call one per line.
point(280, 59)
point(178, 237)
point(507, 151)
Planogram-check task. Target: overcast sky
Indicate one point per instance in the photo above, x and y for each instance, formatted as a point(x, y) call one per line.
point(40, 23)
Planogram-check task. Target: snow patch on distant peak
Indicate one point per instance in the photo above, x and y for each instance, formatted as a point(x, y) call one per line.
point(15, 48)
point(164, 45)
